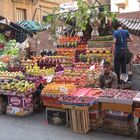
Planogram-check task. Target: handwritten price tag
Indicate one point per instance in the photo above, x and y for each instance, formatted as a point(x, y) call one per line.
point(63, 90)
point(49, 78)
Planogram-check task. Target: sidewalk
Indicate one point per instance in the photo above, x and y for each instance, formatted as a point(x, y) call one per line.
point(35, 127)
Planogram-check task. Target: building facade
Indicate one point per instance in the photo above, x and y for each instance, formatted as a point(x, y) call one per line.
point(125, 6)
point(93, 1)
point(17, 10)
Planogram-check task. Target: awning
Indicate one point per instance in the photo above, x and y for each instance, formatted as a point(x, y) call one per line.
point(18, 32)
point(31, 26)
point(132, 25)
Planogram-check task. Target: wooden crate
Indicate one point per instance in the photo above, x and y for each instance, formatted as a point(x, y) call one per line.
point(117, 107)
point(119, 127)
point(79, 120)
point(74, 107)
point(119, 131)
point(97, 124)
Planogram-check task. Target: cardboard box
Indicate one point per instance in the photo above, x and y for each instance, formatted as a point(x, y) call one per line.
point(117, 107)
point(17, 111)
point(20, 101)
point(51, 102)
point(57, 116)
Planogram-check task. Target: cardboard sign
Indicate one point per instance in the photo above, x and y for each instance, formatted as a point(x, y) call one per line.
point(66, 7)
point(15, 101)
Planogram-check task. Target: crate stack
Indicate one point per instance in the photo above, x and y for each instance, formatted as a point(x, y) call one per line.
point(79, 104)
point(55, 113)
point(96, 116)
point(119, 111)
point(119, 123)
point(136, 107)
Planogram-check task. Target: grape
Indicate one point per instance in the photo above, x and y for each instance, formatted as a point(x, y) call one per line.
point(2, 39)
point(10, 48)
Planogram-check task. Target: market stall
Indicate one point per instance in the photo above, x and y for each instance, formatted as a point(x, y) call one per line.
point(74, 98)
point(20, 84)
point(67, 81)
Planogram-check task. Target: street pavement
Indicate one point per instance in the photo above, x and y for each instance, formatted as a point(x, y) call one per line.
point(35, 127)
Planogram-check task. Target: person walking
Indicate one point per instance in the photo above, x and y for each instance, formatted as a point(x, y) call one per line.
point(120, 49)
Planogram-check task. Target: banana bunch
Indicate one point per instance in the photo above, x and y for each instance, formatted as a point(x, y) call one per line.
point(19, 86)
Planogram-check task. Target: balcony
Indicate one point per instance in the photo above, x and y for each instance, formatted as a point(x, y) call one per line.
point(22, 1)
point(121, 3)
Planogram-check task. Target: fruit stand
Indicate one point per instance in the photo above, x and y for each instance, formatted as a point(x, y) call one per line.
point(66, 82)
point(20, 85)
point(87, 106)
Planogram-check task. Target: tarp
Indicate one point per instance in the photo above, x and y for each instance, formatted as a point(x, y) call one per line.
point(18, 32)
point(6, 25)
point(31, 26)
point(132, 25)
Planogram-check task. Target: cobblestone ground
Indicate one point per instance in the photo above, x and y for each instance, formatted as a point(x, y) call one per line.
point(34, 127)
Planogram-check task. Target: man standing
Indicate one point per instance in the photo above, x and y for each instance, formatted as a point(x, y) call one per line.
point(108, 79)
point(121, 37)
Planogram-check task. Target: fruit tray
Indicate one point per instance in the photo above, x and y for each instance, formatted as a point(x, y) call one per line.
point(102, 38)
point(78, 101)
point(52, 95)
point(108, 95)
point(78, 81)
point(99, 44)
point(81, 97)
point(125, 97)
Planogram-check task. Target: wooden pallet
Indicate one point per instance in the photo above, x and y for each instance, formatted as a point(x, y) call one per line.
point(79, 120)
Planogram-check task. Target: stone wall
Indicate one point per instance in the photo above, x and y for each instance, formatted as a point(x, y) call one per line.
point(8, 8)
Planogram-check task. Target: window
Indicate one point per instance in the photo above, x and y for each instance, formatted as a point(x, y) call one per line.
point(20, 14)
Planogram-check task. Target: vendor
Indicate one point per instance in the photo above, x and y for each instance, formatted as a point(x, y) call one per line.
point(108, 79)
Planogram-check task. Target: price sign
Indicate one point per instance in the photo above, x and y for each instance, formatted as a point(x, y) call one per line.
point(49, 78)
point(124, 77)
point(63, 90)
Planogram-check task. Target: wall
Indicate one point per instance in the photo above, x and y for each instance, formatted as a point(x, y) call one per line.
point(131, 6)
point(9, 7)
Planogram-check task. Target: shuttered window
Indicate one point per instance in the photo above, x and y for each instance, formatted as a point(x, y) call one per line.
point(20, 14)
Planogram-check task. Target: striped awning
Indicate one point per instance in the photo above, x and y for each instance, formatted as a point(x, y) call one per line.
point(132, 25)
